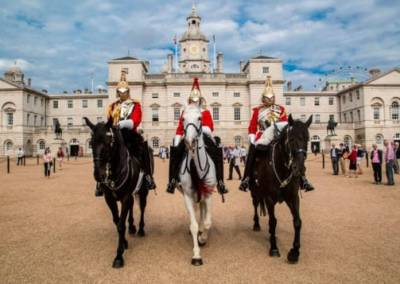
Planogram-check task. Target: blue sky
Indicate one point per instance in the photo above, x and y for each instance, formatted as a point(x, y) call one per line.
point(59, 44)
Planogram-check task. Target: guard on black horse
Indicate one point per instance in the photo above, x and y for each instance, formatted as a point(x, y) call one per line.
point(267, 119)
point(126, 113)
point(177, 150)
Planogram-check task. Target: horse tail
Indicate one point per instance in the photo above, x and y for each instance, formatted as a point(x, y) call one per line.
point(201, 188)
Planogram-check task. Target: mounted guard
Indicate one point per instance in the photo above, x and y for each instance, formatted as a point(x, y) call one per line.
point(177, 150)
point(126, 113)
point(267, 119)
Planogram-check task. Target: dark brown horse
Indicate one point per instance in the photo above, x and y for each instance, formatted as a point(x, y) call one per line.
point(278, 168)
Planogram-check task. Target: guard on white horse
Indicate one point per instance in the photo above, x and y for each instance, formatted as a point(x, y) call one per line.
point(177, 151)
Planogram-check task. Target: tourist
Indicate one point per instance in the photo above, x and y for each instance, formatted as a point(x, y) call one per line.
point(389, 161)
point(163, 153)
point(47, 158)
point(360, 156)
point(343, 153)
point(334, 153)
point(397, 158)
point(243, 154)
point(234, 162)
point(376, 160)
point(60, 157)
point(20, 156)
point(353, 162)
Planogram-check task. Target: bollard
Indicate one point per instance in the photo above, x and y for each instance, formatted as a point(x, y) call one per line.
point(37, 159)
point(323, 159)
point(54, 165)
point(8, 164)
point(367, 158)
point(24, 160)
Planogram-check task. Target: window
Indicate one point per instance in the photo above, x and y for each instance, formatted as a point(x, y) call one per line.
point(236, 94)
point(41, 101)
point(177, 95)
point(42, 145)
point(302, 101)
point(345, 117)
point(265, 70)
point(84, 103)
point(41, 121)
point(155, 142)
point(126, 70)
point(238, 140)
point(55, 104)
point(317, 118)
point(344, 98)
point(288, 101)
point(69, 121)
point(351, 117)
point(350, 97)
point(236, 113)
point(99, 119)
point(10, 119)
point(316, 101)
point(303, 117)
point(28, 99)
point(154, 95)
point(28, 118)
point(359, 115)
point(215, 113)
point(99, 103)
point(55, 120)
point(9, 146)
point(358, 94)
point(379, 139)
point(70, 104)
point(331, 101)
point(332, 116)
point(376, 113)
point(34, 120)
point(34, 100)
point(154, 114)
point(177, 113)
point(395, 111)
point(215, 94)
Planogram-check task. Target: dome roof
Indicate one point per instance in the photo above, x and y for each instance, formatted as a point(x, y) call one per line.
point(198, 35)
point(14, 70)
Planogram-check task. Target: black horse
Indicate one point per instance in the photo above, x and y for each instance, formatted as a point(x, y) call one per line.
point(278, 168)
point(120, 177)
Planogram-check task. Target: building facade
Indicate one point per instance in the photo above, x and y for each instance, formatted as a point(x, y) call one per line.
point(366, 112)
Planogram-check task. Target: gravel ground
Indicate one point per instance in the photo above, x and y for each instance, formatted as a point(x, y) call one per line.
point(55, 231)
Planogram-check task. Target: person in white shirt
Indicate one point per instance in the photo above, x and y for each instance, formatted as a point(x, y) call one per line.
point(20, 156)
point(234, 162)
point(243, 154)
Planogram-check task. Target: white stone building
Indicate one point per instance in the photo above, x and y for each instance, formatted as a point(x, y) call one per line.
point(367, 112)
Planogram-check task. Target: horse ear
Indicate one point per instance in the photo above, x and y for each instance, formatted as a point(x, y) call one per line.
point(291, 121)
point(309, 121)
point(88, 123)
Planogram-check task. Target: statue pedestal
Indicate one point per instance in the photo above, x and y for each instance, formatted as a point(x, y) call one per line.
point(57, 143)
point(331, 139)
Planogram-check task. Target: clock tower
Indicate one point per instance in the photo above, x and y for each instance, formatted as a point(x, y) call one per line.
point(194, 47)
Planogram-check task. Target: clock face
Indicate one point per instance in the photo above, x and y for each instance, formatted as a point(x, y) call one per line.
point(193, 49)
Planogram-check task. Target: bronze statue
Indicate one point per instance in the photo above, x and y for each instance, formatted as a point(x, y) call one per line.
point(57, 129)
point(331, 126)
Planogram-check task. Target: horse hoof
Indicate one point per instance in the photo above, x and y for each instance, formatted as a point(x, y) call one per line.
point(141, 233)
point(256, 228)
point(274, 253)
point(293, 256)
point(197, 261)
point(132, 230)
point(118, 263)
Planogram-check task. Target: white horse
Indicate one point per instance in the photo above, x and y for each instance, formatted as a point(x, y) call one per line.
point(198, 180)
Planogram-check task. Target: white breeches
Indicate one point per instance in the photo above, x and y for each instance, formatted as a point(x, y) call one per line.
point(268, 134)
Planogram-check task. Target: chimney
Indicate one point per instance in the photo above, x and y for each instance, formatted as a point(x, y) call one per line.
point(289, 86)
point(29, 82)
point(170, 63)
point(220, 62)
point(374, 72)
point(242, 63)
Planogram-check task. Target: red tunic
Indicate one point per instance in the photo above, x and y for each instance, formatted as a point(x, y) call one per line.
point(279, 111)
point(135, 115)
point(206, 120)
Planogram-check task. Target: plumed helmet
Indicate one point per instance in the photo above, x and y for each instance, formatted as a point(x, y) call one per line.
point(123, 84)
point(195, 95)
point(268, 90)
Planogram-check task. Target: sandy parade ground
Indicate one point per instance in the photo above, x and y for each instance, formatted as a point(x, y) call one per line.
point(55, 231)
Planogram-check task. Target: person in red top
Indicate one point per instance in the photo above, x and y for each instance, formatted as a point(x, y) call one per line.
point(265, 119)
point(126, 113)
point(178, 148)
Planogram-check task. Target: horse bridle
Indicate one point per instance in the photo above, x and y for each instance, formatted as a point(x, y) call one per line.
point(107, 181)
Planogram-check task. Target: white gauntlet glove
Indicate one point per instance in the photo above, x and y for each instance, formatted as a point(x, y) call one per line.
point(128, 123)
point(177, 139)
point(252, 138)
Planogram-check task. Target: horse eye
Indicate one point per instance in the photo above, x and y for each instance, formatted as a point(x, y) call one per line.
point(199, 118)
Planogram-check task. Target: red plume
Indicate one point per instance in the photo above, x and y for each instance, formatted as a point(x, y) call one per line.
point(196, 84)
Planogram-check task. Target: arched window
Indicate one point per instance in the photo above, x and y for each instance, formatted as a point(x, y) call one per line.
point(155, 141)
point(377, 107)
point(8, 147)
point(315, 138)
point(379, 139)
point(395, 111)
point(348, 141)
point(238, 141)
point(396, 136)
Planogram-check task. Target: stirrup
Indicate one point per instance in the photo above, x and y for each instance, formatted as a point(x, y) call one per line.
point(171, 187)
point(244, 184)
point(306, 185)
point(221, 187)
point(150, 182)
point(98, 192)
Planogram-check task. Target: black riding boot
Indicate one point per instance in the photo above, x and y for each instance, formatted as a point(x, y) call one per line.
point(216, 154)
point(98, 192)
point(147, 167)
point(305, 184)
point(244, 184)
point(176, 155)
